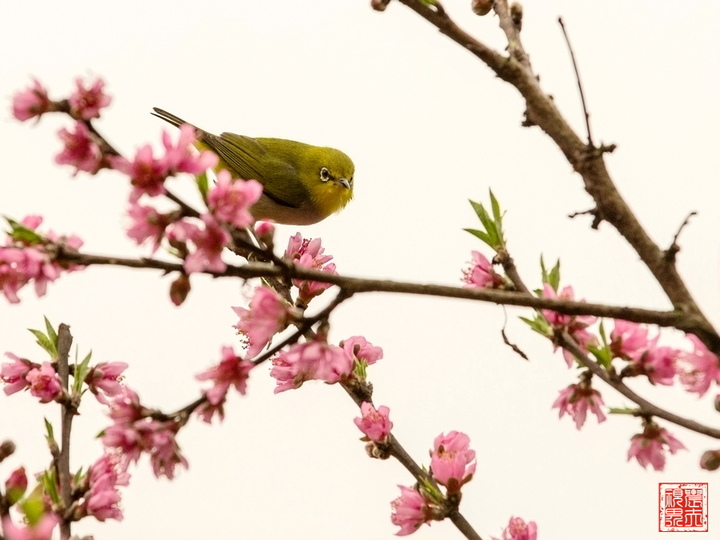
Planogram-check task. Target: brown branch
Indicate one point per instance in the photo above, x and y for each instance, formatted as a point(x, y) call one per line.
point(646, 408)
point(359, 394)
point(682, 321)
point(586, 160)
point(64, 342)
point(579, 82)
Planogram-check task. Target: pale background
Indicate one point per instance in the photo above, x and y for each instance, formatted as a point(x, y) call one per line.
point(428, 127)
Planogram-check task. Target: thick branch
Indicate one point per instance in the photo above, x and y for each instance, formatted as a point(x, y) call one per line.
point(675, 319)
point(586, 160)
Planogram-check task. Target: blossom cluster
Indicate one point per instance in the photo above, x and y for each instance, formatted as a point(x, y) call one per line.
point(452, 465)
point(80, 146)
point(641, 355)
point(95, 492)
point(232, 371)
point(134, 431)
point(199, 239)
point(29, 257)
point(319, 360)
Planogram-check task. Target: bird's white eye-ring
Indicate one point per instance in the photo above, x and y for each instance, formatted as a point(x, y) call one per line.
point(325, 174)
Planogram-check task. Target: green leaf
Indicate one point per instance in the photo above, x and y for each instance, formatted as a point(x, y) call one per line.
point(34, 509)
point(45, 342)
point(497, 214)
point(77, 479)
point(539, 325)
point(203, 185)
point(50, 435)
point(81, 372)
point(49, 483)
point(50, 330)
point(481, 235)
point(602, 355)
point(552, 278)
point(492, 234)
point(20, 233)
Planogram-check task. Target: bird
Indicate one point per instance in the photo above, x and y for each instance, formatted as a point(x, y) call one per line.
point(302, 184)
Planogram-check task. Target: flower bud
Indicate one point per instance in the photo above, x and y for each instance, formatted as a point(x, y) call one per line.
point(516, 13)
point(179, 289)
point(481, 7)
point(710, 460)
point(16, 485)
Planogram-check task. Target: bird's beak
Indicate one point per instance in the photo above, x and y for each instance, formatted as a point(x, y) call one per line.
point(343, 182)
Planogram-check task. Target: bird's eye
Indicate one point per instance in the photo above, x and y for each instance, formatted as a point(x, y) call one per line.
point(325, 174)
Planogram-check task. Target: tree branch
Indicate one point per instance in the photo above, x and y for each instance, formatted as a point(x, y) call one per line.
point(586, 160)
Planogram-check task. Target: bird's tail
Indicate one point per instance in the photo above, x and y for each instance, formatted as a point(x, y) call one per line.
point(169, 117)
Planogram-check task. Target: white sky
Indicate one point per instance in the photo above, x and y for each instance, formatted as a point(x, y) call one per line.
point(428, 127)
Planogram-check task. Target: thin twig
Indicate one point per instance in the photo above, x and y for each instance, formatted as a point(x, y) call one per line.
point(579, 82)
point(674, 248)
point(64, 342)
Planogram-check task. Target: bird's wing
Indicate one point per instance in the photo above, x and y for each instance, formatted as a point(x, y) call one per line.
point(250, 159)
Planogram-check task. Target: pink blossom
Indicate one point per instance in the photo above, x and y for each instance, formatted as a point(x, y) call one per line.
point(180, 157)
point(134, 433)
point(22, 261)
point(265, 230)
point(268, 314)
point(312, 360)
point(575, 325)
point(230, 200)
point(482, 275)
point(124, 441)
point(42, 530)
point(299, 246)
point(409, 511)
point(699, 368)
point(14, 374)
point(629, 340)
point(105, 377)
point(648, 447)
point(231, 371)
point(209, 243)
point(309, 254)
point(125, 406)
point(517, 529)
point(658, 363)
point(79, 150)
point(103, 498)
point(86, 101)
point(164, 451)
point(576, 399)
point(375, 423)
point(147, 174)
point(307, 290)
point(21, 265)
point(453, 463)
point(31, 102)
point(147, 224)
point(44, 382)
point(358, 348)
